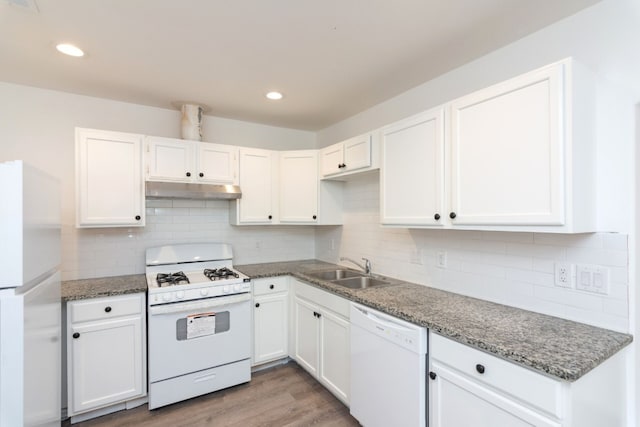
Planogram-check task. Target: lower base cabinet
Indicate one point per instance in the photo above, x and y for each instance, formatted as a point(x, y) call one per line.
point(106, 352)
point(270, 319)
point(320, 324)
point(469, 387)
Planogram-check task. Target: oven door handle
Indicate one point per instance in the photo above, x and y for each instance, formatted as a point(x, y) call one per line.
point(198, 305)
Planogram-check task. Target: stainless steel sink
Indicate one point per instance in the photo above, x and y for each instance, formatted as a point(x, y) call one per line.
point(334, 274)
point(361, 282)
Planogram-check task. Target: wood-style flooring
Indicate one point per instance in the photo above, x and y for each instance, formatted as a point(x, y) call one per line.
point(281, 396)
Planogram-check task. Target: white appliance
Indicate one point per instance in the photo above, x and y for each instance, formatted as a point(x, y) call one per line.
point(199, 322)
point(30, 307)
point(388, 370)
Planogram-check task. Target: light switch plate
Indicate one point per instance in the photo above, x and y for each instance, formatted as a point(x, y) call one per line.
point(592, 278)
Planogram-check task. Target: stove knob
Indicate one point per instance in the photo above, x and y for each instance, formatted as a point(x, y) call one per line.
point(225, 289)
point(180, 294)
point(204, 292)
point(166, 297)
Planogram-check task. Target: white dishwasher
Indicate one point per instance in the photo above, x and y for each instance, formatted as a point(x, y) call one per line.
point(388, 370)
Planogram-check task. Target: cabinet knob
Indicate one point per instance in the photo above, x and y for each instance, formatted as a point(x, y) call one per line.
point(188, 173)
point(271, 286)
point(107, 309)
point(344, 165)
point(315, 217)
point(452, 215)
point(480, 368)
point(257, 304)
point(201, 174)
point(432, 375)
point(270, 217)
point(436, 216)
point(137, 217)
point(316, 314)
point(76, 334)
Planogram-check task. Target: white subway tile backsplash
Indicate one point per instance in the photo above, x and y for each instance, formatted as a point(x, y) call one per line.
point(115, 251)
point(509, 268)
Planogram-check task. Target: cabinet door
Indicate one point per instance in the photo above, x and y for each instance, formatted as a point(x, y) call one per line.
point(306, 335)
point(507, 152)
point(270, 327)
point(299, 186)
point(331, 159)
point(217, 163)
point(357, 153)
point(110, 184)
point(105, 363)
point(335, 354)
point(412, 173)
point(170, 160)
point(455, 400)
point(256, 174)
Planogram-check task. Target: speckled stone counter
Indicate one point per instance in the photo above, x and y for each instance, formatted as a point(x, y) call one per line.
point(103, 287)
point(560, 348)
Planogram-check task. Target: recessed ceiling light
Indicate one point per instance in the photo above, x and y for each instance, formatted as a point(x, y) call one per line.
point(69, 49)
point(274, 95)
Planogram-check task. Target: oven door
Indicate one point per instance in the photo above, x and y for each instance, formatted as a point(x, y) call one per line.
point(195, 335)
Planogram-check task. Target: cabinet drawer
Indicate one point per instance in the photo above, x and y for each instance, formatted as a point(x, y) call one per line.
point(525, 385)
point(270, 285)
point(105, 308)
point(325, 299)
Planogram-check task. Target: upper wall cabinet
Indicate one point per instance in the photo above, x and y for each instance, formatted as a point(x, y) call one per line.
point(304, 199)
point(507, 152)
point(518, 156)
point(109, 179)
point(259, 182)
point(353, 155)
point(178, 160)
point(412, 171)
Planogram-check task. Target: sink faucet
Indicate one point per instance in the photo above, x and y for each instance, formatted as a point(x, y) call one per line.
point(366, 267)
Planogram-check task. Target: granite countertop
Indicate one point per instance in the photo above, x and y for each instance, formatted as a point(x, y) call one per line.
point(557, 347)
point(103, 287)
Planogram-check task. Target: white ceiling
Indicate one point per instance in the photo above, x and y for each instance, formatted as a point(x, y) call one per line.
point(330, 58)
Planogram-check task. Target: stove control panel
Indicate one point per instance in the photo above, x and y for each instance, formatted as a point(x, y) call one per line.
point(169, 295)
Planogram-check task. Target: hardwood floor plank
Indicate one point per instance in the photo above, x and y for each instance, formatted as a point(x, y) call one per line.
point(284, 395)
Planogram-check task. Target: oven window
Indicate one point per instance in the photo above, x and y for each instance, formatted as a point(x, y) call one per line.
point(222, 324)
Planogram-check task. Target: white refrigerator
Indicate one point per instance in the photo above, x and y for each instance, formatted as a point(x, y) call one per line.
point(30, 318)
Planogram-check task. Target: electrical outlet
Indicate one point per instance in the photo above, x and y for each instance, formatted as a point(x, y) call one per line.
point(592, 278)
point(441, 259)
point(564, 275)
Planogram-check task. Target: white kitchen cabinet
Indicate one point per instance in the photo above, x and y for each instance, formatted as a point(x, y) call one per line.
point(507, 151)
point(516, 156)
point(412, 171)
point(259, 183)
point(321, 337)
point(299, 186)
point(109, 179)
point(270, 319)
point(355, 154)
point(470, 387)
point(176, 160)
point(106, 352)
point(304, 199)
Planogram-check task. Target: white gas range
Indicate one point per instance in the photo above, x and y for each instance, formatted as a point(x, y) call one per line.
point(199, 321)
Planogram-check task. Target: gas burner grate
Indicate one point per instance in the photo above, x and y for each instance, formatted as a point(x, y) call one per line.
point(220, 273)
point(171, 279)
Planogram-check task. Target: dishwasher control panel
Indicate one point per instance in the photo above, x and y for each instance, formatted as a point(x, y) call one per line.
point(405, 334)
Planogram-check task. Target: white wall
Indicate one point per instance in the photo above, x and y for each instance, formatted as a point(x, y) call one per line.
point(37, 126)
